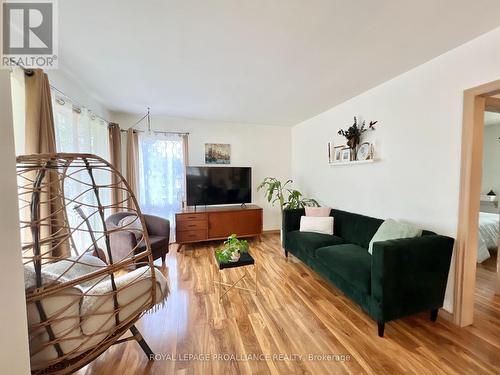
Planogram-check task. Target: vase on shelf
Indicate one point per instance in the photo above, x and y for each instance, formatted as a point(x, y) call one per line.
point(353, 145)
point(353, 142)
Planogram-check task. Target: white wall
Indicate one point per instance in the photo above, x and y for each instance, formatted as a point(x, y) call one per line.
point(491, 160)
point(264, 148)
point(418, 142)
point(14, 352)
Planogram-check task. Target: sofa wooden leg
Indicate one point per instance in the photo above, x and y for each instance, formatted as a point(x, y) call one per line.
point(286, 253)
point(163, 257)
point(434, 314)
point(143, 344)
point(381, 326)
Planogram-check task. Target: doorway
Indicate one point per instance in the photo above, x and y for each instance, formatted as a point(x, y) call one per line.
point(477, 101)
point(489, 215)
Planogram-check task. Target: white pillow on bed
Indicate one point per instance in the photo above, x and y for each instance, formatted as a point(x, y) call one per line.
point(316, 224)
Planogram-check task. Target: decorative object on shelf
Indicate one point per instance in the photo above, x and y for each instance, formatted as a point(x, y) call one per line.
point(231, 250)
point(345, 155)
point(337, 153)
point(354, 132)
point(365, 151)
point(217, 153)
point(491, 192)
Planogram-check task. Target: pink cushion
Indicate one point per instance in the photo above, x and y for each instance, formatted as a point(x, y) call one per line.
point(318, 211)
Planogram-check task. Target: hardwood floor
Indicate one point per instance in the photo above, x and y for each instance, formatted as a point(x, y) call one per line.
point(487, 304)
point(295, 314)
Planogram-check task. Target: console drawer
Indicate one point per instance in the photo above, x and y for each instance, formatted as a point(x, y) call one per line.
point(191, 235)
point(191, 216)
point(191, 225)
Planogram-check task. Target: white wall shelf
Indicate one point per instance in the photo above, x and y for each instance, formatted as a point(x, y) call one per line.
point(354, 162)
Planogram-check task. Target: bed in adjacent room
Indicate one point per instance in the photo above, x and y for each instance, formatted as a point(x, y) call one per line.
point(488, 234)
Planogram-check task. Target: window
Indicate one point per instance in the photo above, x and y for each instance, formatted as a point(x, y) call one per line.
point(79, 131)
point(161, 175)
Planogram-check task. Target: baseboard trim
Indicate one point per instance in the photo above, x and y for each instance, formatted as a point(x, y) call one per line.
point(271, 231)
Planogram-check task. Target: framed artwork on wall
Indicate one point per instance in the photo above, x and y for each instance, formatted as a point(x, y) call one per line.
point(217, 153)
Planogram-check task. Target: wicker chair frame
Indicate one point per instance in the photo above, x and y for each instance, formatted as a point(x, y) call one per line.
point(52, 215)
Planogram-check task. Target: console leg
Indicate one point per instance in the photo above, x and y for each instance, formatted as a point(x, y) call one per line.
point(381, 326)
point(434, 314)
point(144, 345)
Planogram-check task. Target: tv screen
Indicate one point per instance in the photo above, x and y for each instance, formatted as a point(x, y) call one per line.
point(218, 185)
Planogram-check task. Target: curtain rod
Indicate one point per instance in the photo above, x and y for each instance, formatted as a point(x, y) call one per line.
point(78, 104)
point(156, 132)
point(30, 72)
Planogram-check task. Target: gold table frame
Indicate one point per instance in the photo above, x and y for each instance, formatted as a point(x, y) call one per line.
point(225, 287)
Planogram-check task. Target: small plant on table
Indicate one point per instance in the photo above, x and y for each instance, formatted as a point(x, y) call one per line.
point(231, 250)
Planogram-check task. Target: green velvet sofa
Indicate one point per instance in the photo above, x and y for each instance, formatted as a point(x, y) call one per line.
point(401, 278)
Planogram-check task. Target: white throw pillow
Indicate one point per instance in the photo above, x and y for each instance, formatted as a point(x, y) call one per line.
point(316, 224)
point(391, 229)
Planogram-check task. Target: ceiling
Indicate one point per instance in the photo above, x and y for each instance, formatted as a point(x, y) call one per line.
point(262, 61)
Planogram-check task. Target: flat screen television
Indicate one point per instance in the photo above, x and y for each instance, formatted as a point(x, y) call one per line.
point(218, 185)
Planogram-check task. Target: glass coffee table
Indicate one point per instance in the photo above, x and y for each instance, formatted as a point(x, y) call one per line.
point(245, 261)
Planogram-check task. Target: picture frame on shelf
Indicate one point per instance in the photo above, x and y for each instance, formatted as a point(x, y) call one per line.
point(345, 156)
point(337, 153)
point(365, 151)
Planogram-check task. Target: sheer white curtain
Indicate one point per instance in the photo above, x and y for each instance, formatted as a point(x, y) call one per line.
point(18, 108)
point(78, 130)
point(161, 175)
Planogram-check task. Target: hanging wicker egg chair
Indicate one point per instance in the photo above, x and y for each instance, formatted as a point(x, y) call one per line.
point(80, 300)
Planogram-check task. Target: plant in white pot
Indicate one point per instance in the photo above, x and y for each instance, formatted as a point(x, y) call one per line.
point(231, 250)
point(288, 198)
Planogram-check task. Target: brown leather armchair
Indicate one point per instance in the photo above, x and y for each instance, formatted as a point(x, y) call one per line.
point(123, 242)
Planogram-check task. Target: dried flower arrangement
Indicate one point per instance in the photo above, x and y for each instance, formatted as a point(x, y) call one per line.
point(354, 132)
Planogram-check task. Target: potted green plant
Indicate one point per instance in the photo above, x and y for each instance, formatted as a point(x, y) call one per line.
point(231, 250)
point(277, 191)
